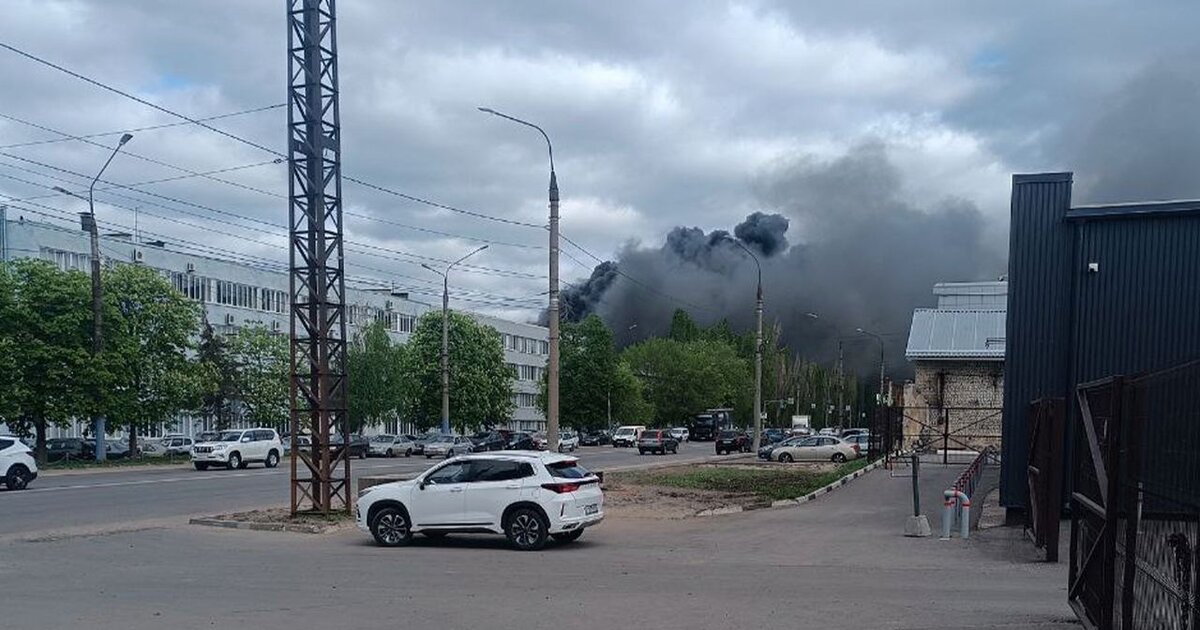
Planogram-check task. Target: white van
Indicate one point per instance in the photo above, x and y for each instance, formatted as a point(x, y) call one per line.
point(628, 435)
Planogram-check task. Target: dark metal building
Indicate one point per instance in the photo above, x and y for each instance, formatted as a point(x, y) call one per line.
point(1093, 291)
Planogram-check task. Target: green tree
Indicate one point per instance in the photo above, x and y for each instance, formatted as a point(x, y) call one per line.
point(681, 379)
point(629, 404)
point(150, 377)
point(375, 369)
point(215, 363)
point(261, 365)
point(683, 327)
point(46, 325)
point(480, 380)
point(591, 379)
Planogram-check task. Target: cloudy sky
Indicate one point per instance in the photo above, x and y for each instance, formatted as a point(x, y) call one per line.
point(663, 114)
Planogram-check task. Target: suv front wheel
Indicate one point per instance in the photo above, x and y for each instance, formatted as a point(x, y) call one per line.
point(235, 461)
point(390, 527)
point(526, 529)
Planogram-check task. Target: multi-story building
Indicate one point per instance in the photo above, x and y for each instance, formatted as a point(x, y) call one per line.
point(235, 294)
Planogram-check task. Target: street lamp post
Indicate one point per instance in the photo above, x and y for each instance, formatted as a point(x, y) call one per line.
point(446, 335)
point(880, 340)
point(758, 315)
point(88, 222)
point(552, 360)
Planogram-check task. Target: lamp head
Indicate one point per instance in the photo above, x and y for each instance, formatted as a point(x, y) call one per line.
point(125, 138)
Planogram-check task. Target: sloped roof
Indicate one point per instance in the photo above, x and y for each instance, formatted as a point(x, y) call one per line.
point(956, 334)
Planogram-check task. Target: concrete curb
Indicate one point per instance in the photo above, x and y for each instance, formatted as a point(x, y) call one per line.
point(294, 528)
point(782, 503)
point(71, 472)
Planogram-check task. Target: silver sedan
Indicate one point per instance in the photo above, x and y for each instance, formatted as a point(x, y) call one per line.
point(820, 448)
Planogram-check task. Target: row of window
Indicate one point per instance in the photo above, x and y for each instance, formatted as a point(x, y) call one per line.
point(528, 372)
point(523, 399)
point(526, 345)
point(357, 315)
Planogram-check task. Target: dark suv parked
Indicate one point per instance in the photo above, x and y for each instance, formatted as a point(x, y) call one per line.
point(490, 440)
point(595, 438)
point(657, 441)
point(731, 441)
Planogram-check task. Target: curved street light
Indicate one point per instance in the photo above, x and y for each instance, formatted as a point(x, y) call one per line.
point(89, 223)
point(446, 335)
point(552, 315)
point(880, 340)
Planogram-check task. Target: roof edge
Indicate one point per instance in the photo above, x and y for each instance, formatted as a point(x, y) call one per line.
point(1042, 178)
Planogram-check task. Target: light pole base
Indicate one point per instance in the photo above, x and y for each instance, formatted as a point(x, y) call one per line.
point(917, 527)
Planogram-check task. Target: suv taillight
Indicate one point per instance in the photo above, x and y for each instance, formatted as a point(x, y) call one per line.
point(561, 488)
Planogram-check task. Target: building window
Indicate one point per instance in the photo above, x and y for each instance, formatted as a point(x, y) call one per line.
point(67, 261)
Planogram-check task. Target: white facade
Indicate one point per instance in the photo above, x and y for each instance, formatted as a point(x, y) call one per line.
point(235, 294)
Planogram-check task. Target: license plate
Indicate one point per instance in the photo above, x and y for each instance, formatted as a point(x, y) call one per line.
point(588, 510)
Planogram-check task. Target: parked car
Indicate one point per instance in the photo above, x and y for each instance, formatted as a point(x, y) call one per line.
point(360, 446)
point(828, 431)
point(527, 497)
point(520, 442)
point(60, 449)
point(822, 448)
point(173, 446)
point(388, 445)
point(302, 442)
point(448, 446)
point(17, 464)
point(494, 440)
point(419, 446)
point(238, 448)
point(568, 441)
point(627, 435)
point(595, 438)
point(207, 436)
point(771, 436)
point(764, 451)
point(729, 441)
point(860, 441)
point(113, 449)
point(657, 441)
point(682, 434)
point(845, 433)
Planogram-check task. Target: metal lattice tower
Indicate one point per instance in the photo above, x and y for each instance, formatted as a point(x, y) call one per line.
point(320, 474)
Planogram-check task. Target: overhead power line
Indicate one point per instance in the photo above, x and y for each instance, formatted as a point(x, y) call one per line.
point(103, 134)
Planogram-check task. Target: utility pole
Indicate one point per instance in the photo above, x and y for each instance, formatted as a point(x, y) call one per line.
point(552, 359)
point(758, 315)
point(88, 222)
point(841, 385)
point(446, 336)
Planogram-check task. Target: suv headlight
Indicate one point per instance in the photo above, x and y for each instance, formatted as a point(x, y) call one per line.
point(219, 447)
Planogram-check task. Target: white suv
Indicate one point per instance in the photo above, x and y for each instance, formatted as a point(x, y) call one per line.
point(237, 448)
point(529, 497)
point(17, 467)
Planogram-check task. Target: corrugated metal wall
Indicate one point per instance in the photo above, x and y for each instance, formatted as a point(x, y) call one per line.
point(1038, 331)
point(1138, 311)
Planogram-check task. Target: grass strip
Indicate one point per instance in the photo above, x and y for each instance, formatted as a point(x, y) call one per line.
point(775, 483)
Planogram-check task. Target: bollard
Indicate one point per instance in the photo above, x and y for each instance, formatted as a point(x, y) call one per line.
point(956, 503)
point(917, 526)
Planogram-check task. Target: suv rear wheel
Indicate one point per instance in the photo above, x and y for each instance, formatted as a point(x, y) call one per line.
point(526, 529)
point(272, 460)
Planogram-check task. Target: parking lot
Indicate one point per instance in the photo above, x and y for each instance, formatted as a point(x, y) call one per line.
point(59, 501)
point(839, 561)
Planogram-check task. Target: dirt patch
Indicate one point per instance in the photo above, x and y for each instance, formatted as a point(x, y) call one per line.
point(280, 520)
point(685, 491)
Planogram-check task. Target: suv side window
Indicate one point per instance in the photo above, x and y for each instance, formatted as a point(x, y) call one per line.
point(498, 470)
point(456, 472)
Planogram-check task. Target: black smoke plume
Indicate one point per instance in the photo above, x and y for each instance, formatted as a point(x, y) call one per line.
point(863, 257)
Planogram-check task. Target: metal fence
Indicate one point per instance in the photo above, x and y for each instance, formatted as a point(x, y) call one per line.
point(1135, 518)
point(1044, 508)
point(948, 429)
point(887, 431)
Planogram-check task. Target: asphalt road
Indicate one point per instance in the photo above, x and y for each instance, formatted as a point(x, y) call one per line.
point(837, 562)
point(57, 501)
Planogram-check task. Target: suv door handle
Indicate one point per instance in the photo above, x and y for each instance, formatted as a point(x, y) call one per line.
point(459, 489)
point(513, 486)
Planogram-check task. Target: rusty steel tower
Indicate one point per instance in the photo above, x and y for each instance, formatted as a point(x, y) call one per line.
point(320, 472)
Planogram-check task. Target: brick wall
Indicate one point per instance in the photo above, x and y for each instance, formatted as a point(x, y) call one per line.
point(966, 395)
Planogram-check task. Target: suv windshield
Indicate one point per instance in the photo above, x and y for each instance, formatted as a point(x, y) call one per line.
point(725, 435)
point(649, 435)
point(569, 469)
point(230, 436)
point(624, 431)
